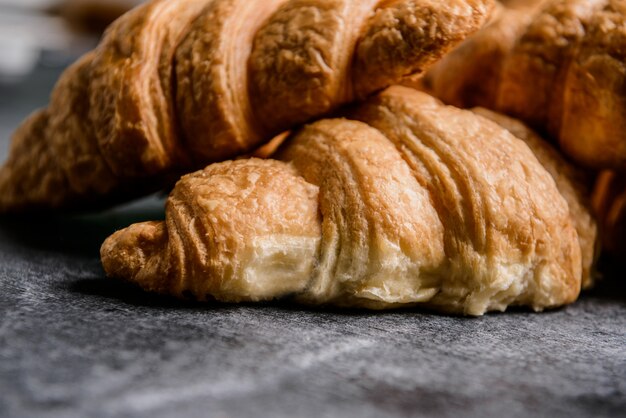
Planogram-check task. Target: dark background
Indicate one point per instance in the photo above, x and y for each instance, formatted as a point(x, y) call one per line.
point(75, 344)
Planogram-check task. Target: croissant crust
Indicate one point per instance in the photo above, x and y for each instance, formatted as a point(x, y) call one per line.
point(559, 66)
point(175, 85)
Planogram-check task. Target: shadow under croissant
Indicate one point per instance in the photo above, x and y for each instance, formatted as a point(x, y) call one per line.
point(611, 286)
point(127, 293)
point(78, 235)
point(133, 295)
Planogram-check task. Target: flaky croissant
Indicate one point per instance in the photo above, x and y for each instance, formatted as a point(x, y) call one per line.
point(560, 67)
point(406, 202)
point(177, 84)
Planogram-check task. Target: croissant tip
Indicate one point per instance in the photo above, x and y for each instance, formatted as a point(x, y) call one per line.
point(126, 252)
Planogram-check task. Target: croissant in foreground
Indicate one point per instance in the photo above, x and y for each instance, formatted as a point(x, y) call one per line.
point(175, 85)
point(407, 202)
point(559, 65)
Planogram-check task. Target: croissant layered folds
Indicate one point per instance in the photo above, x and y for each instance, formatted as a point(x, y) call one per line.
point(405, 202)
point(559, 65)
point(177, 84)
point(573, 183)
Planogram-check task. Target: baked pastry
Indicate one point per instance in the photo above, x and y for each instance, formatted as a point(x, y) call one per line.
point(175, 85)
point(573, 183)
point(560, 67)
point(406, 202)
point(470, 75)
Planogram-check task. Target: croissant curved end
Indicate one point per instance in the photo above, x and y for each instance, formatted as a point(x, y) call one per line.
point(125, 253)
point(244, 230)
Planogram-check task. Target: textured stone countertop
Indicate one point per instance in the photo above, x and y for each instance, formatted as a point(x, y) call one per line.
point(74, 344)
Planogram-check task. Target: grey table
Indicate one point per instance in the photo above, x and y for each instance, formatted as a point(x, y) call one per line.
point(74, 344)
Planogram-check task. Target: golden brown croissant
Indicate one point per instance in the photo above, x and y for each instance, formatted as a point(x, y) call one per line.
point(560, 67)
point(407, 202)
point(175, 85)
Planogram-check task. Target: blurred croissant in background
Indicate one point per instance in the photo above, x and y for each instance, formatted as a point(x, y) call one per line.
point(559, 65)
point(175, 85)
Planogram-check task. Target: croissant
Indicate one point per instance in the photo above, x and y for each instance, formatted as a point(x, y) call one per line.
point(177, 84)
point(559, 66)
point(406, 202)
